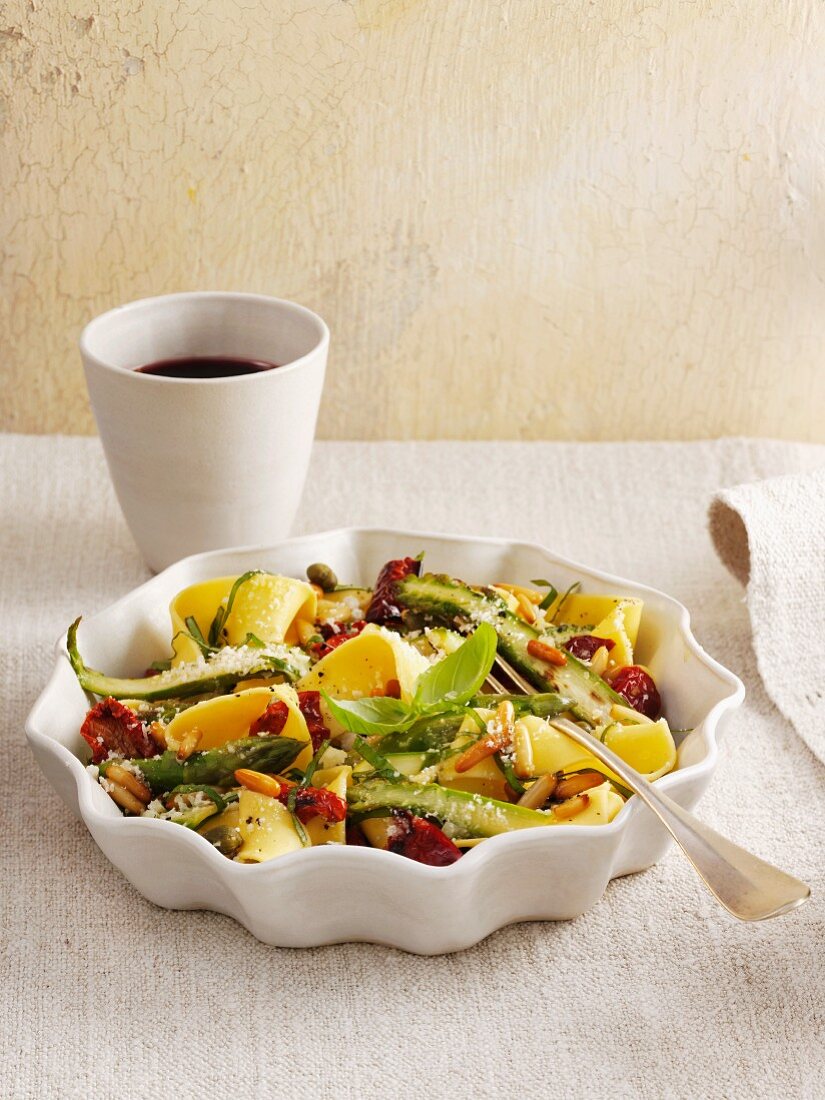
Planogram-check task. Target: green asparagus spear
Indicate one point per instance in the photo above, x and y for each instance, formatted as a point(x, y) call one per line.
point(219, 672)
point(216, 766)
point(471, 814)
point(448, 601)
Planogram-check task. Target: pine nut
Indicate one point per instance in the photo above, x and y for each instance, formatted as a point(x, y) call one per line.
point(528, 593)
point(306, 630)
point(571, 785)
point(124, 778)
point(487, 746)
point(523, 750)
point(500, 729)
point(536, 795)
point(527, 609)
point(546, 652)
point(598, 663)
point(258, 782)
point(125, 799)
point(190, 742)
point(572, 807)
point(157, 731)
point(506, 717)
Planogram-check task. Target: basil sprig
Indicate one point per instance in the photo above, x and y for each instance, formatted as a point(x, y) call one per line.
point(447, 685)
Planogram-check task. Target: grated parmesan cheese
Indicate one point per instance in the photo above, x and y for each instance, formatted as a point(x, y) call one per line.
point(235, 660)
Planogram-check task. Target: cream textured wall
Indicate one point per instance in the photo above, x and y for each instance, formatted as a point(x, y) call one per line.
point(520, 219)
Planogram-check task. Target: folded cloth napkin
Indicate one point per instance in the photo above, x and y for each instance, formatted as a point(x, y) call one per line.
point(771, 536)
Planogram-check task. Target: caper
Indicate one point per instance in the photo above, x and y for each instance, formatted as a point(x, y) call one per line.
point(227, 841)
point(322, 575)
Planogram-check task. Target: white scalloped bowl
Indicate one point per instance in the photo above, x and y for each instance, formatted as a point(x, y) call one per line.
point(338, 894)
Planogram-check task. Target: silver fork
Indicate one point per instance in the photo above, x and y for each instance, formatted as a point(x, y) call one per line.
point(748, 887)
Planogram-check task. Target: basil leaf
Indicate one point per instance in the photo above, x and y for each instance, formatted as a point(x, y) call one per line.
point(370, 716)
point(456, 678)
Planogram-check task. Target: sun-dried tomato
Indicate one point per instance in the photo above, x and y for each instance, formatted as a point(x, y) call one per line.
point(313, 802)
point(111, 727)
point(418, 839)
point(355, 837)
point(384, 607)
point(310, 704)
point(272, 721)
point(584, 646)
point(636, 686)
point(335, 634)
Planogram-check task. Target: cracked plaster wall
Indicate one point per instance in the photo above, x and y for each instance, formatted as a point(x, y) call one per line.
point(520, 219)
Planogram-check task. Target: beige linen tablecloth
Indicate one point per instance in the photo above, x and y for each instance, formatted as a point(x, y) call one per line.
point(654, 993)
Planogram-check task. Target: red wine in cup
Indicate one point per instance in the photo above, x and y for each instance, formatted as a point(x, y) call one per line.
point(206, 366)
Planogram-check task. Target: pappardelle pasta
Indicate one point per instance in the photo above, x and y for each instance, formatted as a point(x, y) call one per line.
point(293, 713)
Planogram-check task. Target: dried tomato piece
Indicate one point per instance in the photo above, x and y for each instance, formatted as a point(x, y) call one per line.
point(313, 802)
point(384, 607)
point(331, 630)
point(111, 727)
point(335, 637)
point(272, 721)
point(355, 836)
point(310, 704)
point(636, 686)
point(583, 646)
point(418, 839)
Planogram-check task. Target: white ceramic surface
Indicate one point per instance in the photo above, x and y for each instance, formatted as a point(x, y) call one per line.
point(202, 464)
point(330, 894)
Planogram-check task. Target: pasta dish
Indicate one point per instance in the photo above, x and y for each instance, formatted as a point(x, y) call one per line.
point(291, 713)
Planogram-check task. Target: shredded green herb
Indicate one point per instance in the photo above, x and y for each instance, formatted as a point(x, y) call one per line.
point(223, 612)
point(210, 792)
point(552, 593)
point(570, 591)
point(197, 637)
point(312, 766)
point(380, 764)
point(507, 769)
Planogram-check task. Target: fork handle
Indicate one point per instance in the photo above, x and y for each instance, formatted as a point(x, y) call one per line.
point(748, 887)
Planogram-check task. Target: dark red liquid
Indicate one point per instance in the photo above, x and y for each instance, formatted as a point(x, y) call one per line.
point(206, 366)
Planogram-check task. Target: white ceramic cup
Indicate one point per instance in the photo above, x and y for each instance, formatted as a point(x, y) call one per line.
point(207, 463)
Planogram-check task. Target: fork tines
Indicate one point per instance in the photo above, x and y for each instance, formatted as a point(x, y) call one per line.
point(520, 685)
